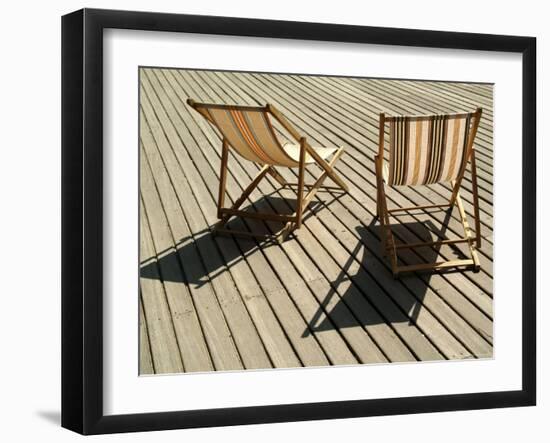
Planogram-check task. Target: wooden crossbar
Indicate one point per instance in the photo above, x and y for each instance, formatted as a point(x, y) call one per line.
point(246, 234)
point(431, 243)
point(436, 265)
point(412, 208)
point(311, 185)
point(257, 215)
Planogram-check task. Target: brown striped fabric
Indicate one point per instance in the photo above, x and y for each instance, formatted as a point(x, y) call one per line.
point(249, 131)
point(427, 149)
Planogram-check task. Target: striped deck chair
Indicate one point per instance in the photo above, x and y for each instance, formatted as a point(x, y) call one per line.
point(249, 131)
point(424, 150)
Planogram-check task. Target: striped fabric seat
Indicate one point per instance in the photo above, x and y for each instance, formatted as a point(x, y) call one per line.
point(250, 132)
point(427, 149)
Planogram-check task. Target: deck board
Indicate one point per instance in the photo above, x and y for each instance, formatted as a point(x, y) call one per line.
point(165, 355)
point(326, 295)
point(145, 357)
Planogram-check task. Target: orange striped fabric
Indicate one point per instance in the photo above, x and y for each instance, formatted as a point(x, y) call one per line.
point(427, 149)
point(250, 133)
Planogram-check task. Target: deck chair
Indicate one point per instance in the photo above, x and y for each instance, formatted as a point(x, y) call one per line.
point(249, 131)
point(424, 150)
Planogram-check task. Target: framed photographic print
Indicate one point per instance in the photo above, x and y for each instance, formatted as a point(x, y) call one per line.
point(270, 221)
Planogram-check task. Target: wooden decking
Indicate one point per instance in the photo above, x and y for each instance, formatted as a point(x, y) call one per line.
point(326, 296)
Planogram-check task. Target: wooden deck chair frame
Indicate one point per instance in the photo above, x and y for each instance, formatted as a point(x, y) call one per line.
point(292, 221)
point(473, 240)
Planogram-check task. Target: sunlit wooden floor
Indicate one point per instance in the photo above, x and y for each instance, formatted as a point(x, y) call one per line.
point(326, 296)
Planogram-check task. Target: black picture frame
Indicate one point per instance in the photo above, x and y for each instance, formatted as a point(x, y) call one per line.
point(82, 220)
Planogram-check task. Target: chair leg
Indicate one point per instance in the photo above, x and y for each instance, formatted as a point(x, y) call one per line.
point(223, 177)
point(379, 184)
point(300, 196)
point(381, 207)
point(387, 235)
point(456, 187)
point(378, 212)
point(476, 201)
point(468, 233)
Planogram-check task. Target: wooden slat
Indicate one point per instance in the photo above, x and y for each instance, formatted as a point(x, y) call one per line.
point(145, 358)
point(184, 274)
point(165, 351)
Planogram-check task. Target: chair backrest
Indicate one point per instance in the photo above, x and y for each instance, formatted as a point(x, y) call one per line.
point(429, 149)
point(248, 131)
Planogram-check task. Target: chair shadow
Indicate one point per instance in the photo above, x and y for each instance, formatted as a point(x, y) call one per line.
point(373, 279)
point(202, 257)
